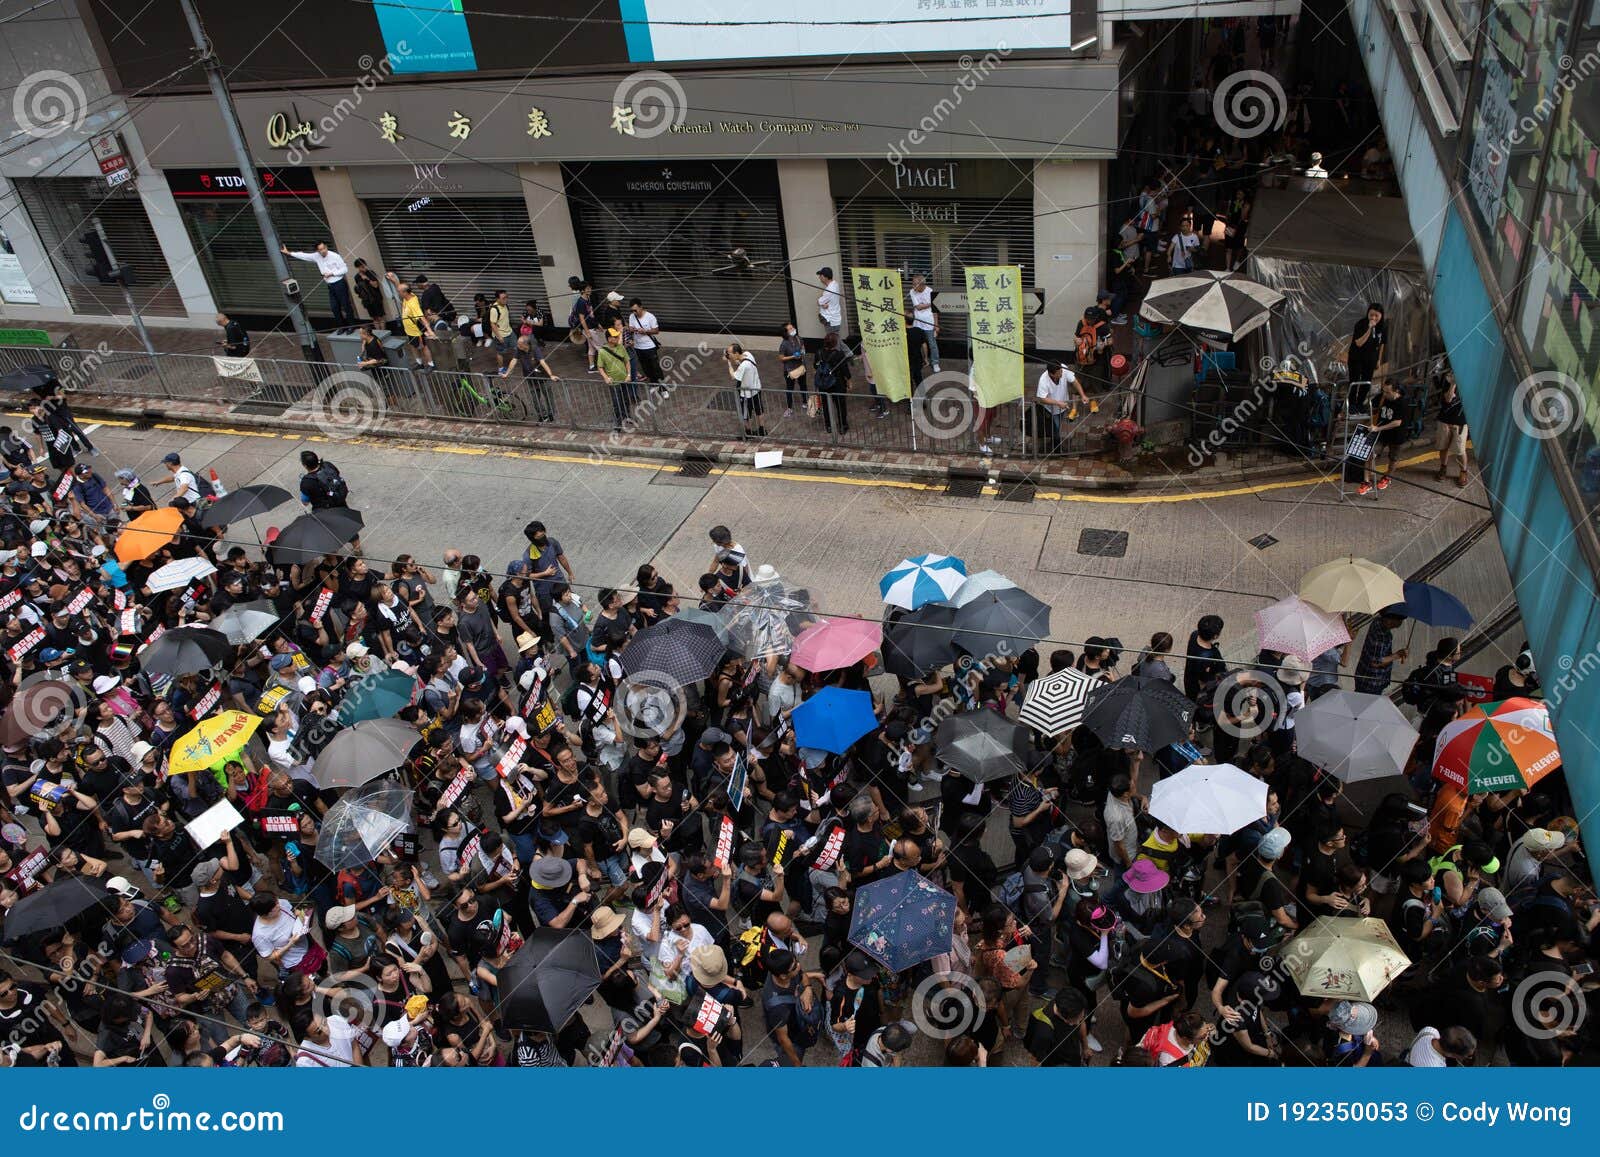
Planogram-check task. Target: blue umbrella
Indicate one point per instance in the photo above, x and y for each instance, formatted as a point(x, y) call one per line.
point(928, 578)
point(833, 719)
point(903, 920)
point(381, 695)
point(1435, 606)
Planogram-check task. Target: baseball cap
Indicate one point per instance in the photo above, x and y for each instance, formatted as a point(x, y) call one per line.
point(1273, 844)
point(1492, 903)
point(396, 1031)
point(206, 871)
point(171, 460)
point(339, 915)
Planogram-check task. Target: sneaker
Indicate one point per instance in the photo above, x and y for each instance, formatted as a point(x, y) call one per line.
point(503, 371)
point(789, 413)
point(1364, 489)
point(1383, 483)
point(1120, 319)
point(1072, 414)
point(594, 369)
point(985, 448)
point(1094, 407)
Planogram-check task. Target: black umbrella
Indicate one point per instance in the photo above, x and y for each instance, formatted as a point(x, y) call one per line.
point(1010, 618)
point(313, 535)
point(38, 378)
point(680, 650)
point(53, 905)
point(919, 641)
point(1138, 712)
point(245, 502)
point(983, 745)
point(543, 986)
point(185, 650)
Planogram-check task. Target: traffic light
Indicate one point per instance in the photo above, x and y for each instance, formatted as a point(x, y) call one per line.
point(101, 265)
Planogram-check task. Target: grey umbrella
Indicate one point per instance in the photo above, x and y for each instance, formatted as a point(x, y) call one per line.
point(362, 824)
point(246, 622)
point(1354, 736)
point(983, 745)
point(1002, 622)
point(363, 752)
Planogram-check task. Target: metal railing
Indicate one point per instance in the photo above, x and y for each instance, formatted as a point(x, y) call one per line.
point(345, 401)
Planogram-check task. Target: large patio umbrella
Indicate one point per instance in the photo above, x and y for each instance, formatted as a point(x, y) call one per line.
point(1211, 300)
point(245, 622)
point(1055, 703)
point(1002, 622)
point(184, 651)
point(54, 905)
point(763, 618)
point(1138, 712)
point(1353, 736)
point(1501, 746)
point(1343, 958)
point(315, 534)
point(1352, 584)
point(1293, 626)
point(148, 533)
point(214, 739)
point(362, 824)
point(377, 695)
point(245, 502)
point(983, 745)
point(680, 651)
point(833, 719)
point(364, 752)
point(835, 643)
point(1209, 799)
point(902, 920)
point(979, 584)
point(919, 642)
point(548, 980)
point(928, 578)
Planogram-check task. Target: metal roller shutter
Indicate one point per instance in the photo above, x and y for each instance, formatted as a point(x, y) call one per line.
point(672, 251)
point(938, 239)
point(61, 209)
point(465, 245)
point(233, 257)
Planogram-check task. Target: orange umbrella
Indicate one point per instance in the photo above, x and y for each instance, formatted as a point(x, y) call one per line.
point(148, 533)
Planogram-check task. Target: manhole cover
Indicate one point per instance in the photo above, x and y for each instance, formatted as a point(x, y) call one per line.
point(1017, 491)
point(266, 409)
point(963, 488)
point(695, 468)
point(1262, 541)
point(1102, 543)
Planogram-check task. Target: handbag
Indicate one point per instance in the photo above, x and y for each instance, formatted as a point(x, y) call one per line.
point(813, 405)
point(797, 373)
point(575, 335)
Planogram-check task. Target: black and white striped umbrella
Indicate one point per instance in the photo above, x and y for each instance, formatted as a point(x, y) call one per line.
point(1055, 703)
point(1211, 300)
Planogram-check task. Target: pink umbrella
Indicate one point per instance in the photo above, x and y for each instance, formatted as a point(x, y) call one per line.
point(1296, 627)
point(835, 643)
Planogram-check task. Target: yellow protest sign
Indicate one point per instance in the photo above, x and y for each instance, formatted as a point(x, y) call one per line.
point(994, 324)
point(881, 313)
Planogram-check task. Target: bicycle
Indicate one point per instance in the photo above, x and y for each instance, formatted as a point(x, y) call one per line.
point(489, 400)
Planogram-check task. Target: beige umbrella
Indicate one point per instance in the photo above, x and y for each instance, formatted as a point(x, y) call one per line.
point(1339, 958)
point(1352, 584)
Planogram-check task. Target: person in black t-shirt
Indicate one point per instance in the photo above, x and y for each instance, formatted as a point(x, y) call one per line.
point(1389, 425)
point(1203, 664)
point(1367, 342)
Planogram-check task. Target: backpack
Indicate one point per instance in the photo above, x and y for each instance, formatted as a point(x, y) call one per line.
point(805, 1028)
point(332, 481)
point(202, 484)
point(569, 702)
point(1012, 893)
point(1253, 907)
point(1088, 344)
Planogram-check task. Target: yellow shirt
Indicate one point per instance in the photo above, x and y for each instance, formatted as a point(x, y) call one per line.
point(411, 315)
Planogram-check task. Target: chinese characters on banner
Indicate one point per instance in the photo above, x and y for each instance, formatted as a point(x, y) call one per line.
point(881, 315)
point(994, 323)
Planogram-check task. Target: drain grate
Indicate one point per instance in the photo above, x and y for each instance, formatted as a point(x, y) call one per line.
point(1102, 543)
point(1262, 541)
point(963, 488)
point(1017, 491)
point(696, 468)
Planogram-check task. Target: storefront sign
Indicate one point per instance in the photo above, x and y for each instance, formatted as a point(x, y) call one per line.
point(880, 314)
point(16, 289)
point(108, 151)
point(942, 176)
point(282, 131)
point(731, 179)
point(994, 327)
point(220, 182)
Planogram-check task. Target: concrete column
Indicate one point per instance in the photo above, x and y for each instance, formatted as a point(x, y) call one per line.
point(176, 247)
point(347, 218)
point(1068, 248)
point(811, 234)
point(546, 197)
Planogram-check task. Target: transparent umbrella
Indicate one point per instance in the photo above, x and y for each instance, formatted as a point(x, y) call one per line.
point(362, 824)
point(764, 618)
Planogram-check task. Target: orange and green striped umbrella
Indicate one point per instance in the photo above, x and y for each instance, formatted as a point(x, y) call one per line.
point(1497, 747)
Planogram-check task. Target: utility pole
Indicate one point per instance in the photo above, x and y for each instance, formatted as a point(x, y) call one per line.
point(247, 170)
point(119, 273)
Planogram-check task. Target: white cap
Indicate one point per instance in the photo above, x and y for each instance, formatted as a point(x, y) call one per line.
point(120, 885)
point(139, 749)
point(355, 650)
point(306, 685)
point(395, 1032)
point(104, 683)
point(39, 550)
point(516, 726)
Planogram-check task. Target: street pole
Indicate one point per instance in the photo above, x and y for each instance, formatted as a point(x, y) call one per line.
point(247, 170)
point(120, 276)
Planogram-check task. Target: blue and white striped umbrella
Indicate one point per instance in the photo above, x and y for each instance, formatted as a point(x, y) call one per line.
point(928, 578)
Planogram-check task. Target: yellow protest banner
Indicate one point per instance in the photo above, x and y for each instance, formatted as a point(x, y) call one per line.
point(881, 313)
point(994, 326)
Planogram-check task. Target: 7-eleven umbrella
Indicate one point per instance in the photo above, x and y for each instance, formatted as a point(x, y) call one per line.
point(1352, 584)
point(928, 578)
point(148, 533)
point(1497, 747)
point(220, 737)
point(1296, 627)
point(835, 643)
point(1343, 958)
point(1054, 704)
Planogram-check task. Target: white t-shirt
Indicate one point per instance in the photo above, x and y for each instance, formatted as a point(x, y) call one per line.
point(1422, 1054)
point(340, 1049)
point(831, 304)
point(922, 309)
point(285, 930)
point(1053, 390)
point(641, 340)
point(183, 484)
point(672, 943)
point(748, 377)
point(1183, 247)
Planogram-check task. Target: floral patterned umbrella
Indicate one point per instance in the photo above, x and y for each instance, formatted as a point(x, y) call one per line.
point(903, 920)
point(1338, 958)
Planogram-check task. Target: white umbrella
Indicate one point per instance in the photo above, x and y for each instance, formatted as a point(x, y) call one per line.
point(1055, 703)
point(180, 574)
point(1209, 799)
point(977, 585)
point(1354, 736)
point(245, 622)
point(1211, 300)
